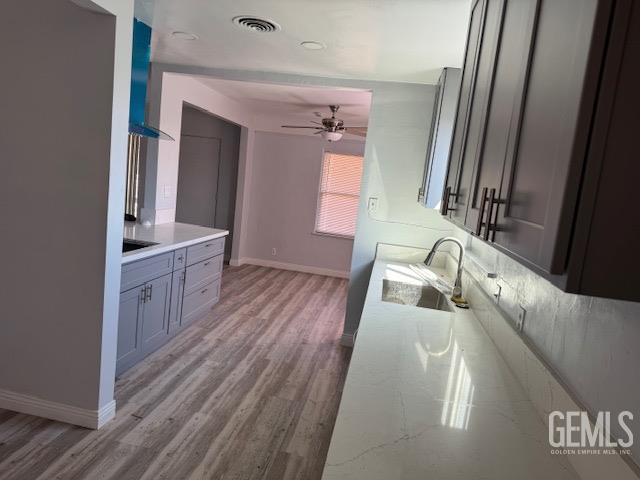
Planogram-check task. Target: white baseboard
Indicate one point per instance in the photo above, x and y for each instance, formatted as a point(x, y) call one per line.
point(289, 266)
point(61, 412)
point(347, 340)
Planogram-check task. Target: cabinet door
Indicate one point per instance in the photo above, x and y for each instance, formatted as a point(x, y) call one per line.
point(603, 261)
point(543, 173)
point(177, 293)
point(444, 114)
point(471, 144)
point(476, 25)
point(129, 328)
point(503, 115)
point(155, 319)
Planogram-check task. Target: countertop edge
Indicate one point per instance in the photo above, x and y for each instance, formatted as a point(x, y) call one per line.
point(168, 247)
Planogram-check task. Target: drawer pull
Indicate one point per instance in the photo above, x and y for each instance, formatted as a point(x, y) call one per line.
point(206, 264)
point(209, 245)
point(492, 219)
point(444, 207)
point(180, 257)
point(483, 202)
point(204, 291)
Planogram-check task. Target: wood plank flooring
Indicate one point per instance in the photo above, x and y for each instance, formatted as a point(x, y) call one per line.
point(249, 392)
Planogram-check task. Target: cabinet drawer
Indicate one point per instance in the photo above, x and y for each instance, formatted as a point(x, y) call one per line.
point(198, 303)
point(202, 273)
point(180, 259)
point(136, 273)
point(205, 250)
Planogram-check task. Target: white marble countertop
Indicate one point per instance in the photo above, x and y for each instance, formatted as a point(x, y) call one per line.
point(428, 396)
point(167, 237)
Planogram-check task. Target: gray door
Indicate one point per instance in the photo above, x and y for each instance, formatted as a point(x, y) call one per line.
point(198, 180)
point(208, 172)
point(155, 319)
point(129, 323)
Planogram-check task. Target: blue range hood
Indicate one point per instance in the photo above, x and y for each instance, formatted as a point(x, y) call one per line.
point(139, 80)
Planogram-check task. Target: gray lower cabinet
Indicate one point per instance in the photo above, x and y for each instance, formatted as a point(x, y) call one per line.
point(143, 321)
point(156, 305)
point(155, 319)
point(197, 303)
point(177, 294)
point(129, 323)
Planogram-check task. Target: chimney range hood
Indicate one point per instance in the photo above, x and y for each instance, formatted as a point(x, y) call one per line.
point(139, 79)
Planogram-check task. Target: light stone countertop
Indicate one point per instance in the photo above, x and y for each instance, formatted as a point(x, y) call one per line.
point(167, 236)
point(428, 396)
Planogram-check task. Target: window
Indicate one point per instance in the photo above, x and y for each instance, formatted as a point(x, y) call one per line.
point(339, 195)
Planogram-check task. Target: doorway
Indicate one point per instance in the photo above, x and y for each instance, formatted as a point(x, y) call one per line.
point(208, 172)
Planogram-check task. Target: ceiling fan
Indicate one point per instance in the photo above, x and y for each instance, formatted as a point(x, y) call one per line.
point(332, 128)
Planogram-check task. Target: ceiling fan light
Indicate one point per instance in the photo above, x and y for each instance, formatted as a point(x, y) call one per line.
point(331, 136)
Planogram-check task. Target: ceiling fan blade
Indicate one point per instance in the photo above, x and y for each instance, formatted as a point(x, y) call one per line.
point(300, 126)
point(317, 123)
point(357, 128)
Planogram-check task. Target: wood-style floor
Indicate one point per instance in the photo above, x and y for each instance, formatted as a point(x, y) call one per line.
point(249, 392)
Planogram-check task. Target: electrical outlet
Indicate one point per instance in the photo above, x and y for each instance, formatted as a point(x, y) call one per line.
point(522, 313)
point(274, 252)
point(372, 206)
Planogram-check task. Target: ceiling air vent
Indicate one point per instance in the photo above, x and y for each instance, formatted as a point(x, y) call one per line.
point(256, 24)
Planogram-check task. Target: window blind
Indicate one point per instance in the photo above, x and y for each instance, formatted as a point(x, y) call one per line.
point(339, 194)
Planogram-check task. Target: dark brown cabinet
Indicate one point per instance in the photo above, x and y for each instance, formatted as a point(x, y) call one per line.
point(545, 124)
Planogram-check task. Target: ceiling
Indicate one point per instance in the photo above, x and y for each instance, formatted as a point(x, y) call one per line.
point(385, 40)
point(273, 105)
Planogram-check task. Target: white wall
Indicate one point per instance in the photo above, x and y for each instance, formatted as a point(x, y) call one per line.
point(63, 145)
point(167, 94)
point(394, 159)
point(284, 193)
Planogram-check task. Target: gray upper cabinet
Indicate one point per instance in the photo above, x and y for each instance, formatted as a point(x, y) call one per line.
point(509, 74)
point(464, 104)
point(549, 137)
point(444, 114)
point(471, 147)
point(535, 123)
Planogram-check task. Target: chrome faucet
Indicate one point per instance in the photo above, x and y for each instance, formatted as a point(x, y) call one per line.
point(456, 296)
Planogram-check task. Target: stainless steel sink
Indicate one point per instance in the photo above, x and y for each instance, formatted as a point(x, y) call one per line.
point(424, 296)
point(129, 245)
